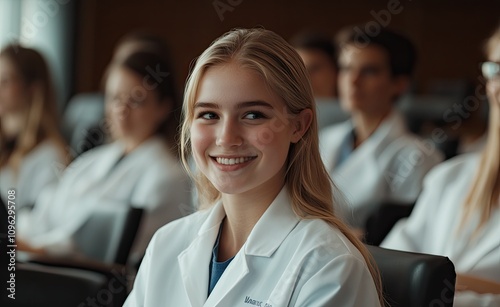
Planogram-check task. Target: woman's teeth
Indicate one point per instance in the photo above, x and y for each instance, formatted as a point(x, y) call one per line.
point(232, 161)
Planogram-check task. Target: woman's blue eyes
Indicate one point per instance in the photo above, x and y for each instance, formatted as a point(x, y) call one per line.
point(249, 115)
point(255, 115)
point(207, 115)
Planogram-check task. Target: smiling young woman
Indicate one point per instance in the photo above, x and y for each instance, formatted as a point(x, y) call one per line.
point(268, 235)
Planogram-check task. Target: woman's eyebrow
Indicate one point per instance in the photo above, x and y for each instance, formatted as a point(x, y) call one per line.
point(241, 105)
point(209, 105)
point(254, 103)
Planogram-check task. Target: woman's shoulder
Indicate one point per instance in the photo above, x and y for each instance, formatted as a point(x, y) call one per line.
point(318, 235)
point(47, 150)
point(410, 147)
point(46, 154)
point(459, 167)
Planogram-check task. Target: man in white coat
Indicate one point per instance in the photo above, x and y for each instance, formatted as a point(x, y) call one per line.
point(372, 157)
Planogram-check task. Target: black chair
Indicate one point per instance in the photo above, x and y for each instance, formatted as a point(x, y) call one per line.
point(38, 285)
point(108, 235)
point(379, 223)
point(105, 241)
point(415, 280)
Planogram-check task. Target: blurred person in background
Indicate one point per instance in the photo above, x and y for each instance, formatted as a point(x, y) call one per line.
point(319, 54)
point(458, 214)
point(32, 150)
point(373, 157)
point(139, 168)
point(85, 133)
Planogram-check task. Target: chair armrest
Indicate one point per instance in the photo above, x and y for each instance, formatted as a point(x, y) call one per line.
point(80, 262)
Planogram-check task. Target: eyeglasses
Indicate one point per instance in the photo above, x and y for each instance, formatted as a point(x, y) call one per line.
point(131, 103)
point(491, 70)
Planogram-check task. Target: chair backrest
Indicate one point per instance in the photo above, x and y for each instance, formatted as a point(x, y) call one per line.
point(381, 221)
point(109, 233)
point(415, 280)
point(38, 285)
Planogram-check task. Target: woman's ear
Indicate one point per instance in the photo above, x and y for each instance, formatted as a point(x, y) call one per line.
point(301, 124)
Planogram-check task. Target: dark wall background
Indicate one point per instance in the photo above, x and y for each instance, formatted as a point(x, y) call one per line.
point(448, 34)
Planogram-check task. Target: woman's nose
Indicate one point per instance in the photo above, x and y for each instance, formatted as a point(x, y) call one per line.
point(229, 134)
point(120, 109)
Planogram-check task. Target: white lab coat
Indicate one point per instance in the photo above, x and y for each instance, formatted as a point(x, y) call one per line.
point(432, 228)
point(39, 168)
point(148, 177)
point(387, 167)
point(285, 261)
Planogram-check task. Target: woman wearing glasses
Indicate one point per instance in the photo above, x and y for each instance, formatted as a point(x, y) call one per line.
point(140, 167)
point(32, 150)
point(458, 213)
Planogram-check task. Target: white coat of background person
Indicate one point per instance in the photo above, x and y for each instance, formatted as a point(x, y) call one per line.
point(458, 213)
point(268, 235)
point(372, 157)
point(140, 168)
point(32, 150)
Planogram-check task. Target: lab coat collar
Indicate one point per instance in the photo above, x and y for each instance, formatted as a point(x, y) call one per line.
point(194, 261)
point(273, 227)
point(269, 232)
point(393, 125)
point(390, 129)
point(267, 235)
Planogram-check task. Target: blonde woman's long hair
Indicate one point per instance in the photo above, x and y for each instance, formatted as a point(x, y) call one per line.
point(280, 66)
point(484, 194)
point(41, 122)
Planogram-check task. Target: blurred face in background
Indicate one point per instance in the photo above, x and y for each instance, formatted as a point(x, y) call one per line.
point(492, 74)
point(12, 89)
point(366, 84)
point(134, 110)
point(322, 72)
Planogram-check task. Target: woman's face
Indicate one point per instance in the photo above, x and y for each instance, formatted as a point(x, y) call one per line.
point(135, 112)
point(241, 131)
point(12, 89)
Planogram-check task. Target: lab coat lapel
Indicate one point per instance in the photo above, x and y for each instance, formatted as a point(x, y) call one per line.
point(95, 169)
point(142, 155)
point(195, 260)
point(266, 236)
point(273, 227)
point(235, 272)
point(365, 156)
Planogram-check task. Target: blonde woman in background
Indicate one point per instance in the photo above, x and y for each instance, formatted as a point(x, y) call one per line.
point(32, 150)
point(458, 213)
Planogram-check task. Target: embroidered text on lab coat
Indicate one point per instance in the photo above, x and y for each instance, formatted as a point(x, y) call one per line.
point(249, 300)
